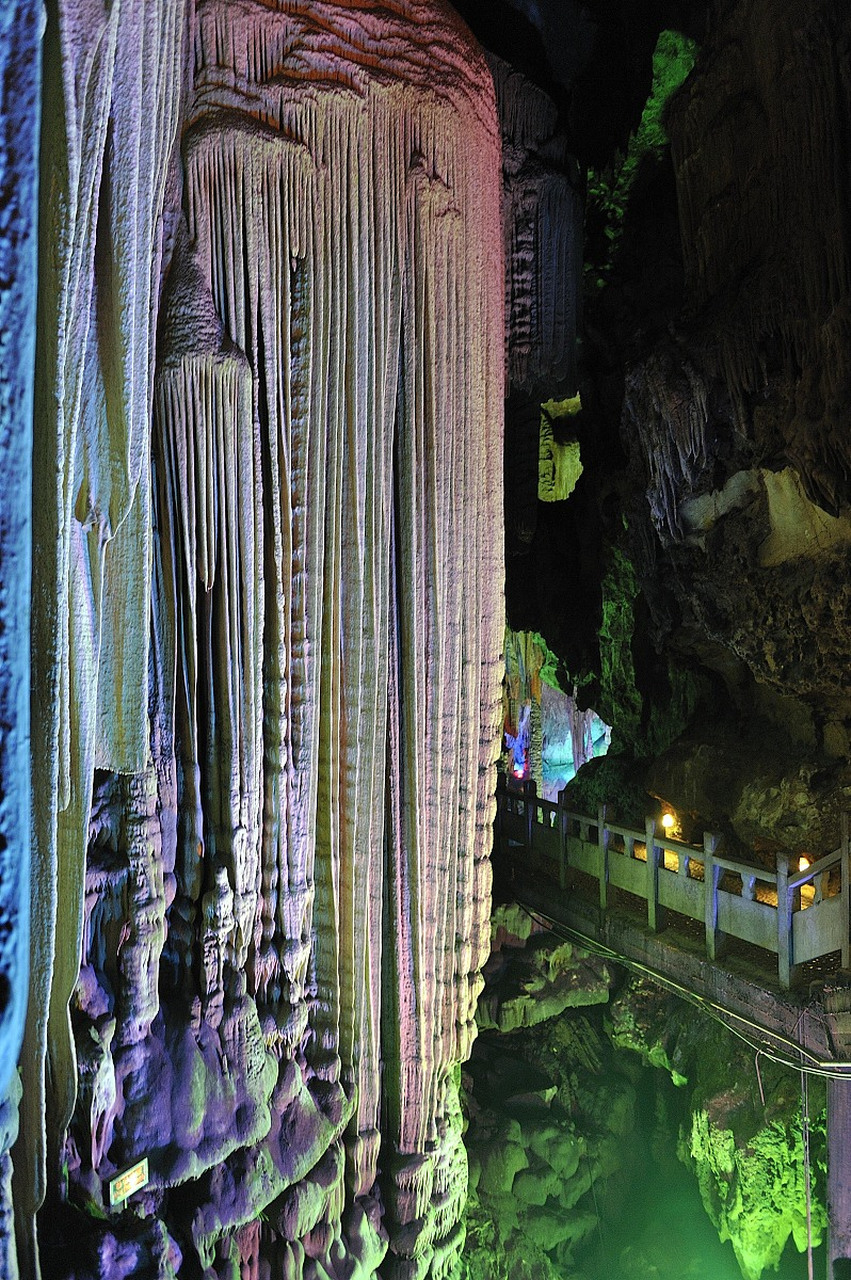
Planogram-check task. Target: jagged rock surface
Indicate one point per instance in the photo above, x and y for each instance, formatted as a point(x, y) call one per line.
point(268, 624)
point(705, 544)
point(543, 1133)
point(742, 1135)
point(588, 1131)
point(733, 423)
point(542, 226)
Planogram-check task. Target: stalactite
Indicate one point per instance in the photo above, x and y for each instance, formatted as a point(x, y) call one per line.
point(542, 226)
point(665, 404)
point(20, 74)
point(280, 551)
point(108, 75)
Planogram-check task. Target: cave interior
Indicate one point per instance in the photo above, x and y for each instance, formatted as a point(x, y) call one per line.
point(399, 402)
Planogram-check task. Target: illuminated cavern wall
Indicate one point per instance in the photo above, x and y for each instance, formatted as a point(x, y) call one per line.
point(267, 622)
point(19, 131)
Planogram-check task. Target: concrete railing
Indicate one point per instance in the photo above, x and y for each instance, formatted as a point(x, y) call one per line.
point(797, 915)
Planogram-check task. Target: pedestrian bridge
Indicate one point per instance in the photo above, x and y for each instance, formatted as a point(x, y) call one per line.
point(796, 915)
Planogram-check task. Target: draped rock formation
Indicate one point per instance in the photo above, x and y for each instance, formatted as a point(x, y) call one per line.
point(542, 226)
point(267, 626)
point(19, 87)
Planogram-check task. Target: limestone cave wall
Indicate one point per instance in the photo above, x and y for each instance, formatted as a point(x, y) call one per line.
point(267, 617)
point(255, 730)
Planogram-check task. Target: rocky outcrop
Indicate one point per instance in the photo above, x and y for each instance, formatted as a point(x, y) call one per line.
point(707, 598)
point(732, 424)
point(529, 980)
point(742, 1132)
point(542, 226)
point(271, 382)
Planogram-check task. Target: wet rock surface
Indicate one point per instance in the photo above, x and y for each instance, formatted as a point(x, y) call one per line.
point(266, 690)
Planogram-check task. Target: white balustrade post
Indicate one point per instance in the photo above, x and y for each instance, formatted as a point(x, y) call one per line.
point(562, 839)
point(784, 923)
point(845, 888)
point(711, 877)
point(655, 915)
point(603, 845)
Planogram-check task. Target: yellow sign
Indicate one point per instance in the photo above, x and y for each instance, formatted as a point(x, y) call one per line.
point(127, 1182)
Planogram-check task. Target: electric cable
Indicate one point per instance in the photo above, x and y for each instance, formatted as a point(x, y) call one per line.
point(805, 1134)
point(825, 1069)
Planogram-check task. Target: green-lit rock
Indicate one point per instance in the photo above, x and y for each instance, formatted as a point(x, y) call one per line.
point(549, 1228)
point(535, 1185)
point(559, 462)
point(500, 1165)
point(536, 983)
point(755, 1193)
point(561, 1150)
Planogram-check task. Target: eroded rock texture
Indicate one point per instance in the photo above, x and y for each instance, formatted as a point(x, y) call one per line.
point(735, 421)
point(267, 632)
point(542, 208)
point(600, 1106)
point(694, 583)
point(19, 87)
point(542, 225)
point(741, 1126)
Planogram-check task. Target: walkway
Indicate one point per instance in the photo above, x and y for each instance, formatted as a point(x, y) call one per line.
point(797, 916)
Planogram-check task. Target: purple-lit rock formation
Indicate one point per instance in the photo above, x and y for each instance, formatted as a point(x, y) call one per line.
point(19, 131)
point(267, 625)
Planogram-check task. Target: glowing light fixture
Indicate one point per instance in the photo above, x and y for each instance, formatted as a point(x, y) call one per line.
point(803, 863)
point(668, 821)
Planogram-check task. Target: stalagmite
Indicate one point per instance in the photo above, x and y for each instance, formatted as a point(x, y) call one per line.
point(271, 627)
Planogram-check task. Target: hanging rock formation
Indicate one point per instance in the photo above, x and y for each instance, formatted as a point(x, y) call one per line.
point(19, 127)
point(268, 618)
point(542, 209)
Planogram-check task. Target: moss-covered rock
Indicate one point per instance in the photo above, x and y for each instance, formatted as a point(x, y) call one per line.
point(755, 1193)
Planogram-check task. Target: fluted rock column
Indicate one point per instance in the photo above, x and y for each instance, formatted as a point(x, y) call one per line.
point(342, 192)
point(268, 623)
point(20, 75)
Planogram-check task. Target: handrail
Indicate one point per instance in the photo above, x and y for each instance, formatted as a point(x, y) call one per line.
point(797, 930)
point(824, 864)
point(739, 867)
